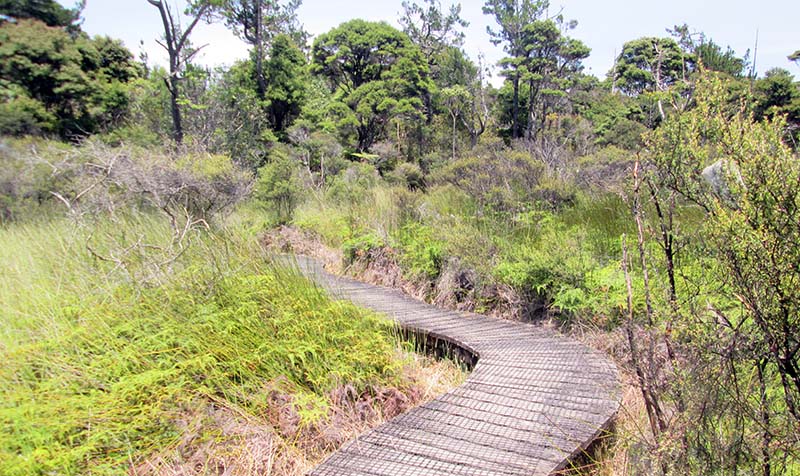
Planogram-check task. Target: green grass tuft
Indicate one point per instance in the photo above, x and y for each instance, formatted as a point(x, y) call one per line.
point(100, 368)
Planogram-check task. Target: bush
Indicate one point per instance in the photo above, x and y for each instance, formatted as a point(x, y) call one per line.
point(360, 247)
point(501, 182)
point(277, 187)
point(408, 175)
point(422, 254)
point(351, 185)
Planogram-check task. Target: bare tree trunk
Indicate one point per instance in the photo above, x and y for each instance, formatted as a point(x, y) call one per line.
point(637, 215)
point(654, 412)
point(174, 42)
point(766, 437)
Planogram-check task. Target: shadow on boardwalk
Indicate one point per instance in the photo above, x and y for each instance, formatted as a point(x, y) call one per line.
point(534, 400)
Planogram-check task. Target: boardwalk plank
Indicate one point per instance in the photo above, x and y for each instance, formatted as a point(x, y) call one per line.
point(533, 399)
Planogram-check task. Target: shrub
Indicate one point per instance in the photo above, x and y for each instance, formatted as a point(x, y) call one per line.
point(351, 185)
point(408, 175)
point(360, 247)
point(277, 187)
point(501, 182)
point(422, 254)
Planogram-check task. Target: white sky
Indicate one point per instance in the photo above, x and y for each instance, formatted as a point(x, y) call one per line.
point(604, 25)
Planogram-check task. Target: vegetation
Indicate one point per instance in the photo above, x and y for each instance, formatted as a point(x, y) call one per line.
point(652, 213)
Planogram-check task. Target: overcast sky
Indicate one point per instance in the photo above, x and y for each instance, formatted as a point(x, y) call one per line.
point(604, 25)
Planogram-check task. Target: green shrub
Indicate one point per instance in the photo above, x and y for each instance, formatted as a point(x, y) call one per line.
point(422, 254)
point(499, 182)
point(361, 246)
point(277, 187)
point(352, 184)
point(408, 175)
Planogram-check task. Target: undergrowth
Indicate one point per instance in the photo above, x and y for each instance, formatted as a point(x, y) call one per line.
point(566, 260)
point(102, 372)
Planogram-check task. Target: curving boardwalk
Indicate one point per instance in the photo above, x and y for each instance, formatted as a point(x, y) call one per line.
point(534, 400)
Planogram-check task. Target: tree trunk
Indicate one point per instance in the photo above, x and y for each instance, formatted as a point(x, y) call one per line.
point(175, 109)
point(175, 40)
point(261, 87)
point(454, 136)
point(515, 108)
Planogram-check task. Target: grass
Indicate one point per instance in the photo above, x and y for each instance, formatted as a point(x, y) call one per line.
point(566, 258)
point(108, 366)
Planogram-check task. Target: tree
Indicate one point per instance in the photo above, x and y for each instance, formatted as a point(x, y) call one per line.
point(431, 28)
point(551, 62)
point(258, 22)
point(434, 31)
point(287, 75)
point(777, 94)
point(376, 74)
point(176, 43)
point(457, 70)
point(54, 82)
point(651, 65)
point(48, 11)
point(456, 100)
point(512, 16)
point(714, 58)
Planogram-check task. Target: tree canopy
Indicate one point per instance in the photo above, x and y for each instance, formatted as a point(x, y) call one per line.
point(54, 83)
point(375, 71)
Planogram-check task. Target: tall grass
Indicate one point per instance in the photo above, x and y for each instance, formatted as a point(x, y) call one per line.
point(104, 364)
point(561, 257)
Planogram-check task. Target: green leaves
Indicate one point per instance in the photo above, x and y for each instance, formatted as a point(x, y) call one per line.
point(374, 70)
point(52, 82)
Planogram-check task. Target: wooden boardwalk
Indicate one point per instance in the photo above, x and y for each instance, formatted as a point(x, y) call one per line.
point(534, 400)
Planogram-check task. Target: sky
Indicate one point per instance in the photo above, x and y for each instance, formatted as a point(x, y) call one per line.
point(604, 25)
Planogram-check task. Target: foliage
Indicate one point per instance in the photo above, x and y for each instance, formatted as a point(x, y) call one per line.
point(360, 246)
point(260, 23)
point(500, 182)
point(277, 186)
point(49, 12)
point(52, 82)
point(777, 94)
point(422, 252)
point(743, 175)
point(650, 64)
point(713, 58)
point(285, 71)
point(122, 367)
point(376, 73)
point(352, 184)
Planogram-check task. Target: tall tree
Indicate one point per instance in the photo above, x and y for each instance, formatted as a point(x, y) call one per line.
point(433, 30)
point(176, 43)
point(54, 82)
point(457, 70)
point(651, 65)
point(287, 75)
point(551, 62)
point(376, 74)
point(512, 16)
point(258, 22)
point(456, 100)
point(48, 11)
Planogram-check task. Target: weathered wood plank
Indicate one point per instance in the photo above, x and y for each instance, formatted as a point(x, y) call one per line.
point(534, 399)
